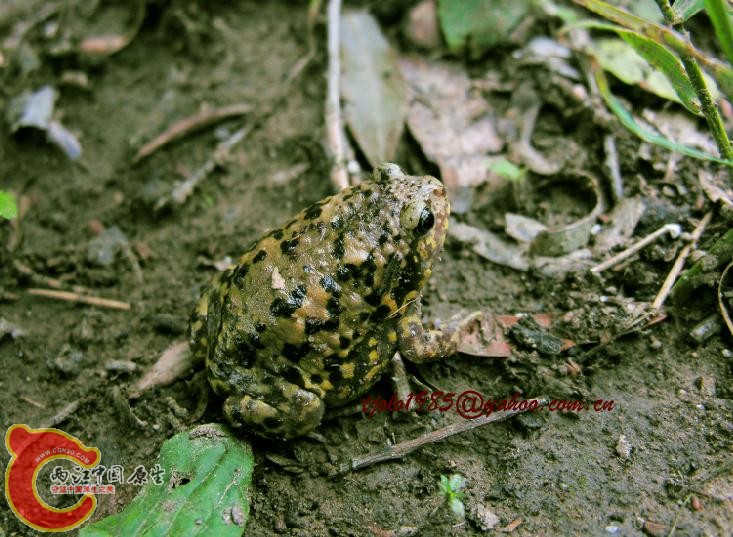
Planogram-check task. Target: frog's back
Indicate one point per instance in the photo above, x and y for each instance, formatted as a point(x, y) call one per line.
point(315, 293)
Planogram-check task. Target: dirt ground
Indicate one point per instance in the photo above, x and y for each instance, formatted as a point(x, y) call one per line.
point(561, 474)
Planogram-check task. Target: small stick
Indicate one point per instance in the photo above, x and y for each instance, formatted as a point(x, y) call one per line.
point(134, 264)
point(403, 448)
point(614, 170)
point(399, 377)
point(680, 262)
point(182, 190)
point(82, 299)
point(190, 124)
point(62, 414)
point(673, 229)
point(40, 279)
point(333, 103)
point(32, 401)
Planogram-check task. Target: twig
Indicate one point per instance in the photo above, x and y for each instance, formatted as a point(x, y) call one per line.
point(16, 234)
point(40, 279)
point(403, 448)
point(134, 264)
point(190, 124)
point(399, 377)
point(672, 229)
point(614, 170)
point(79, 298)
point(333, 102)
point(183, 189)
point(31, 401)
point(62, 414)
point(709, 108)
point(680, 262)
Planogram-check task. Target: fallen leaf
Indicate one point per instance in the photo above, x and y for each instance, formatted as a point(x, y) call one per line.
point(203, 489)
point(175, 362)
point(422, 25)
point(477, 25)
point(372, 87)
point(451, 122)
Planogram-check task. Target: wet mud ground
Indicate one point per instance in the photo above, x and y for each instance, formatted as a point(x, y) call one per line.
point(560, 473)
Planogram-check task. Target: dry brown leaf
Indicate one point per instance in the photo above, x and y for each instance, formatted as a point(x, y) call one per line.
point(453, 125)
point(372, 87)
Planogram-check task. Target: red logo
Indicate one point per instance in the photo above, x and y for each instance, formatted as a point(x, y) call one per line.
point(30, 450)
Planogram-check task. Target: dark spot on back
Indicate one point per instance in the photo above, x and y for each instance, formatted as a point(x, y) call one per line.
point(285, 308)
point(335, 376)
point(315, 378)
point(344, 342)
point(383, 238)
point(343, 273)
point(330, 361)
point(338, 247)
point(239, 273)
point(290, 351)
point(260, 327)
point(330, 285)
point(278, 234)
point(408, 280)
point(333, 307)
point(270, 423)
point(254, 340)
point(312, 212)
point(291, 374)
point(373, 299)
point(288, 247)
point(259, 257)
point(294, 353)
point(313, 325)
point(380, 313)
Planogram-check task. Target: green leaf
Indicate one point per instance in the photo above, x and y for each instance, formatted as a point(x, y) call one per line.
point(478, 25)
point(666, 62)
point(667, 37)
point(628, 121)
point(668, 78)
point(686, 9)
point(456, 483)
point(507, 170)
point(8, 207)
point(720, 18)
point(445, 489)
point(457, 507)
point(374, 92)
point(207, 475)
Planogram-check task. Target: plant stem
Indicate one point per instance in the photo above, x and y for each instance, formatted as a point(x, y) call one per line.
point(709, 108)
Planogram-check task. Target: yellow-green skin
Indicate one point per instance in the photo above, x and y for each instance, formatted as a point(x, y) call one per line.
point(313, 312)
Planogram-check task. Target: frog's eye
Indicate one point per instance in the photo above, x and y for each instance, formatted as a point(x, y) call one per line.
point(417, 216)
point(426, 221)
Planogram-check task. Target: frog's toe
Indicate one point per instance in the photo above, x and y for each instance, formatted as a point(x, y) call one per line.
point(299, 416)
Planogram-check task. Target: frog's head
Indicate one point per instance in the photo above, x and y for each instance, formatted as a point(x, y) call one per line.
point(423, 210)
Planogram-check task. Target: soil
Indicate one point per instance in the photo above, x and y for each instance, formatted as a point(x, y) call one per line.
point(560, 473)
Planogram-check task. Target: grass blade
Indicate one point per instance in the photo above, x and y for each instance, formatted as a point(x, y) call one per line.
point(628, 121)
point(720, 18)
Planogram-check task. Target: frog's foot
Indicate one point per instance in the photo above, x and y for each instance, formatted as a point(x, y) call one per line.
point(278, 402)
point(296, 415)
point(419, 344)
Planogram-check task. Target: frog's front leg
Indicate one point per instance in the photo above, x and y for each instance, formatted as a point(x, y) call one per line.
point(419, 344)
point(270, 406)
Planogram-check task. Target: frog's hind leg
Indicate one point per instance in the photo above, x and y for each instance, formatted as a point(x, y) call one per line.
point(271, 406)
